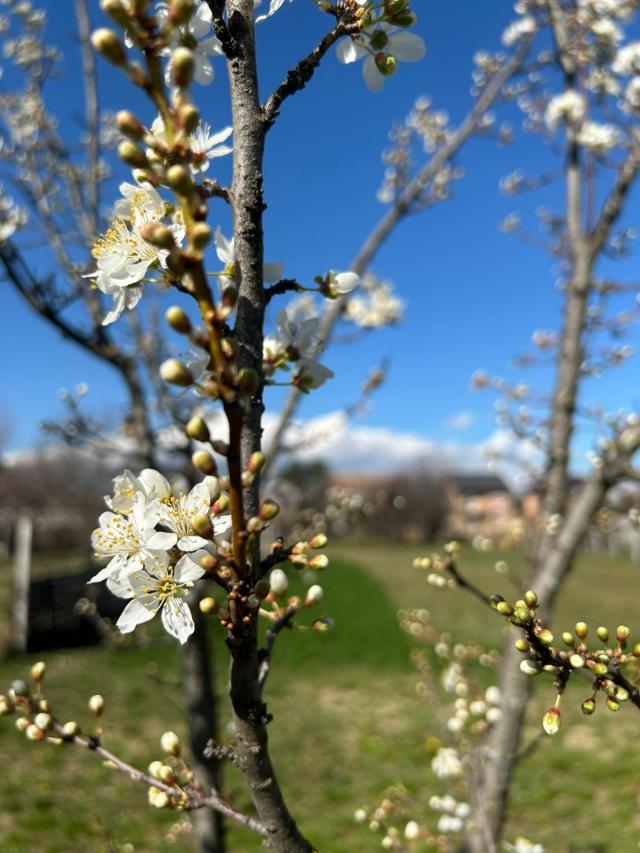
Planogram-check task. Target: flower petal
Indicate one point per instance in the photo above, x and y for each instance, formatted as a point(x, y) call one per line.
point(134, 614)
point(177, 619)
point(187, 569)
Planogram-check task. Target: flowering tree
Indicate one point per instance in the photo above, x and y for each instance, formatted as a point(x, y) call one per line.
point(580, 97)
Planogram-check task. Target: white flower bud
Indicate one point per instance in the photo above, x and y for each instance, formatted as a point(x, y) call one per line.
point(315, 594)
point(96, 705)
point(170, 743)
point(278, 582)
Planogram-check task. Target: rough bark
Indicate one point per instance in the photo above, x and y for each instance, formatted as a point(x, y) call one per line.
point(249, 712)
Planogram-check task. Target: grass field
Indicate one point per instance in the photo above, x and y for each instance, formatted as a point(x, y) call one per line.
point(347, 723)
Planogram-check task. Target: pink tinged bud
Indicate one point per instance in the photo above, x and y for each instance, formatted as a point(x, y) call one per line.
point(319, 541)
point(315, 594)
point(201, 524)
point(278, 582)
point(38, 670)
point(204, 462)
point(22, 724)
point(96, 705)
point(34, 733)
point(170, 743)
point(221, 505)
point(107, 44)
point(551, 721)
point(622, 634)
point(319, 562)
point(175, 373)
point(269, 510)
point(256, 462)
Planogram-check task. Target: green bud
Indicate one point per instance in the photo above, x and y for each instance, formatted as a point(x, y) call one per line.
point(176, 373)
point(318, 541)
point(612, 704)
point(180, 11)
point(179, 180)
point(602, 633)
point(116, 11)
point(201, 523)
point(522, 612)
point(256, 462)
point(568, 639)
point(269, 510)
point(200, 235)
point(158, 235)
point(197, 429)
point(403, 19)
point(132, 155)
point(386, 64)
point(521, 645)
point(107, 44)
point(129, 124)
point(182, 66)
point(319, 563)
point(581, 629)
point(204, 461)
point(588, 706)
point(392, 7)
point(178, 320)
point(622, 634)
point(188, 118)
point(636, 650)
point(248, 381)
point(546, 637)
point(504, 608)
point(530, 598)
point(600, 669)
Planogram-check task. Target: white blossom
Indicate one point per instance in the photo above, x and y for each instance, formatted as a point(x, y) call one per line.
point(385, 41)
point(160, 587)
point(206, 44)
point(627, 60)
point(125, 538)
point(523, 845)
point(446, 763)
point(599, 138)
point(206, 145)
point(176, 513)
point(518, 30)
point(225, 251)
point(569, 107)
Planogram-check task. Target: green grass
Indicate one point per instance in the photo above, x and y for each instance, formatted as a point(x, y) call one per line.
point(347, 723)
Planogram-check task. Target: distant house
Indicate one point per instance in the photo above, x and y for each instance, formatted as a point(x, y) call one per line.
point(478, 504)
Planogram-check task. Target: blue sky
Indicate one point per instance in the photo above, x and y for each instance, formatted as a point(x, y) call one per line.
point(473, 294)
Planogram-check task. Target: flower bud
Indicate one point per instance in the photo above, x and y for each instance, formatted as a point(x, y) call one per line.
point(636, 650)
point(256, 462)
point(188, 118)
point(180, 11)
point(319, 541)
point(154, 769)
point(158, 235)
point(386, 64)
point(521, 612)
point(551, 721)
point(319, 562)
point(568, 639)
point(6, 706)
point(600, 669)
point(208, 606)
point(201, 524)
point(602, 633)
point(38, 670)
point(96, 705)
point(34, 733)
point(197, 429)
point(167, 774)
point(170, 743)
point(521, 645)
point(530, 667)
point(612, 705)
point(23, 723)
point(204, 461)
point(221, 505)
point(403, 19)
point(116, 11)
point(262, 589)
point(269, 510)
point(160, 800)
point(20, 688)
point(546, 637)
point(393, 7)
point(178, 320)
point(588, 706)
point(200, 235)
point(504, 608)
point(576, 661)
point(43, 721)
point(132, 155)
point(622, 634)
point(254, 525)
point(182, 66)
point(130, 125)
point(179, 180)
point(71, 729)
point(278, 582)
point(530, 598)
point(314, 595)
point(209, 563)
point(176, 373)
point(107, 44)
point(581, 629)
point(248, 381)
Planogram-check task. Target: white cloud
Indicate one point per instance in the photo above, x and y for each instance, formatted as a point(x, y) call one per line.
point(461, 420)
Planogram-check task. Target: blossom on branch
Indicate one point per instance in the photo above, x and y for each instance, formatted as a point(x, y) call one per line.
point(383, 47)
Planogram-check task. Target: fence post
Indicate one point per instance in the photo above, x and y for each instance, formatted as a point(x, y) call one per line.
point(21, 582)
